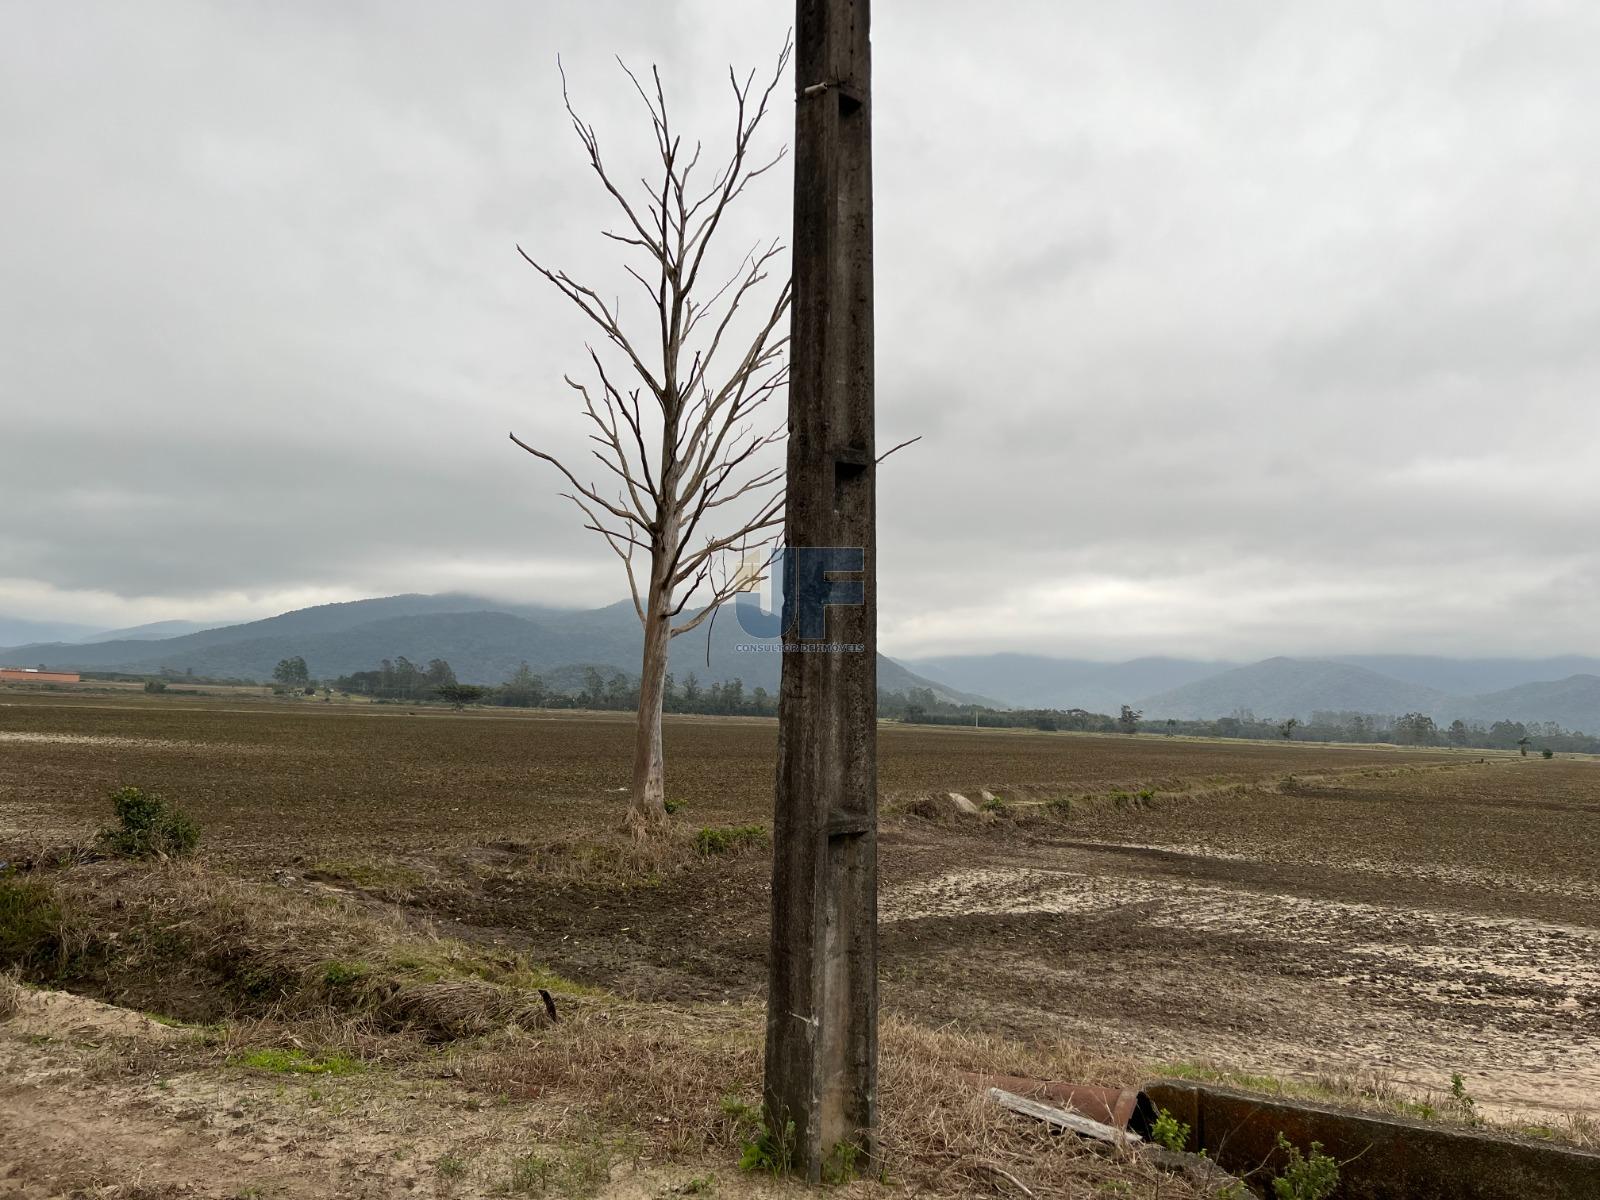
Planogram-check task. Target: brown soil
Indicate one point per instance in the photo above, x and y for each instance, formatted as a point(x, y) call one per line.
point(1306, 912)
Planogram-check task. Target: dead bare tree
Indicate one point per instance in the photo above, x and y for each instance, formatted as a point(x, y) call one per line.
point(684, 480)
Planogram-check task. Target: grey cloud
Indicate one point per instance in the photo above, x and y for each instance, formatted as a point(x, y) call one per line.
point(1233, 328)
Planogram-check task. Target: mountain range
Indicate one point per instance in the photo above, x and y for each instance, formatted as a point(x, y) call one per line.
point(15, 631)
point(1565, 690)
point(483, 640)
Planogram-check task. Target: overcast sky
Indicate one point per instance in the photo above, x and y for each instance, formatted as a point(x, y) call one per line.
point(1231, 328)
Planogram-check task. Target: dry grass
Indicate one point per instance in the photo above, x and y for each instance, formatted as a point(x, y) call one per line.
point(157, 934)
point(11, 993)
point(688, 1083)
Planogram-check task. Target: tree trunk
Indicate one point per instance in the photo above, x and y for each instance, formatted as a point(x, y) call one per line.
point(647, 812)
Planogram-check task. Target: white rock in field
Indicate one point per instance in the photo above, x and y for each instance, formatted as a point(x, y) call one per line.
point(963, 805)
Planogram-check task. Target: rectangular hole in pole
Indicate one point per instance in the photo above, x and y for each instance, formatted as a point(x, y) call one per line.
point(849, 468)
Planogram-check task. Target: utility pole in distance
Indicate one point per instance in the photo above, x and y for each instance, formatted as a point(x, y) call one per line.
point(822, 1000)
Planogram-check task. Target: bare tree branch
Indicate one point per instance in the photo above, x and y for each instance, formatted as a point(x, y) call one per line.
point(704, 458)
point(901, 446)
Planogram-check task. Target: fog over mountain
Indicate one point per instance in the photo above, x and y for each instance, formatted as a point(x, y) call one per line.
point(483, 641)
point(1230, 330)
point(1283, 687)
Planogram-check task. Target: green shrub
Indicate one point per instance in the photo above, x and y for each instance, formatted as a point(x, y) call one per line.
point(728, 840)
point(154, 685)
point(30, 923)
point(768, 1152)
point(148, 826)
point(1548, 753)
point(1305, 1178)
point(1169, 1133)
point(1462, 1099)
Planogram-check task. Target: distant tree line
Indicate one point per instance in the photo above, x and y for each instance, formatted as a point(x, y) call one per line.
point(397, 679)
point(923, 706)
point(400, 679)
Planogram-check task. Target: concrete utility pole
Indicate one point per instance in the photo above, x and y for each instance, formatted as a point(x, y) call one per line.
point(822, 1006)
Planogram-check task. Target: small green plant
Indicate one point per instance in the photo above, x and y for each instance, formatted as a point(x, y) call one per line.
point(993, 804)
point(1061, 806)
point(1547, 753)
point(840, 1166)
point(1169, 1133)
point(341, 975)
point(1465, 1105)
point(148, 826)
point(530, 1176)
point(763, 1150)
point(1313, 1177)
point(1146, 795)
point(450, 1166)
point(700, 1185)
point(297, 1062)
point(712, 841)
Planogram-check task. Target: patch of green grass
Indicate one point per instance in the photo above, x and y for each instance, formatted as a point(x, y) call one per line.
point(297, 1062)
point(1201, 1073)
point(450, 1166)
point(1373, 1094)
point(366, 873)
point(727, 840)
point(31, 927)
point(994, 804)
point(1420, 1109)
point(440, 961)
point(340, 974)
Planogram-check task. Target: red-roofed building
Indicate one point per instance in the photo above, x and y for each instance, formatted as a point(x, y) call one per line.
point(36, 675)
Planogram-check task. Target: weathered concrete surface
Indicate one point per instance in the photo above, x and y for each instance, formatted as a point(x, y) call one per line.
point(1384, 1158)
point(822, 1000)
